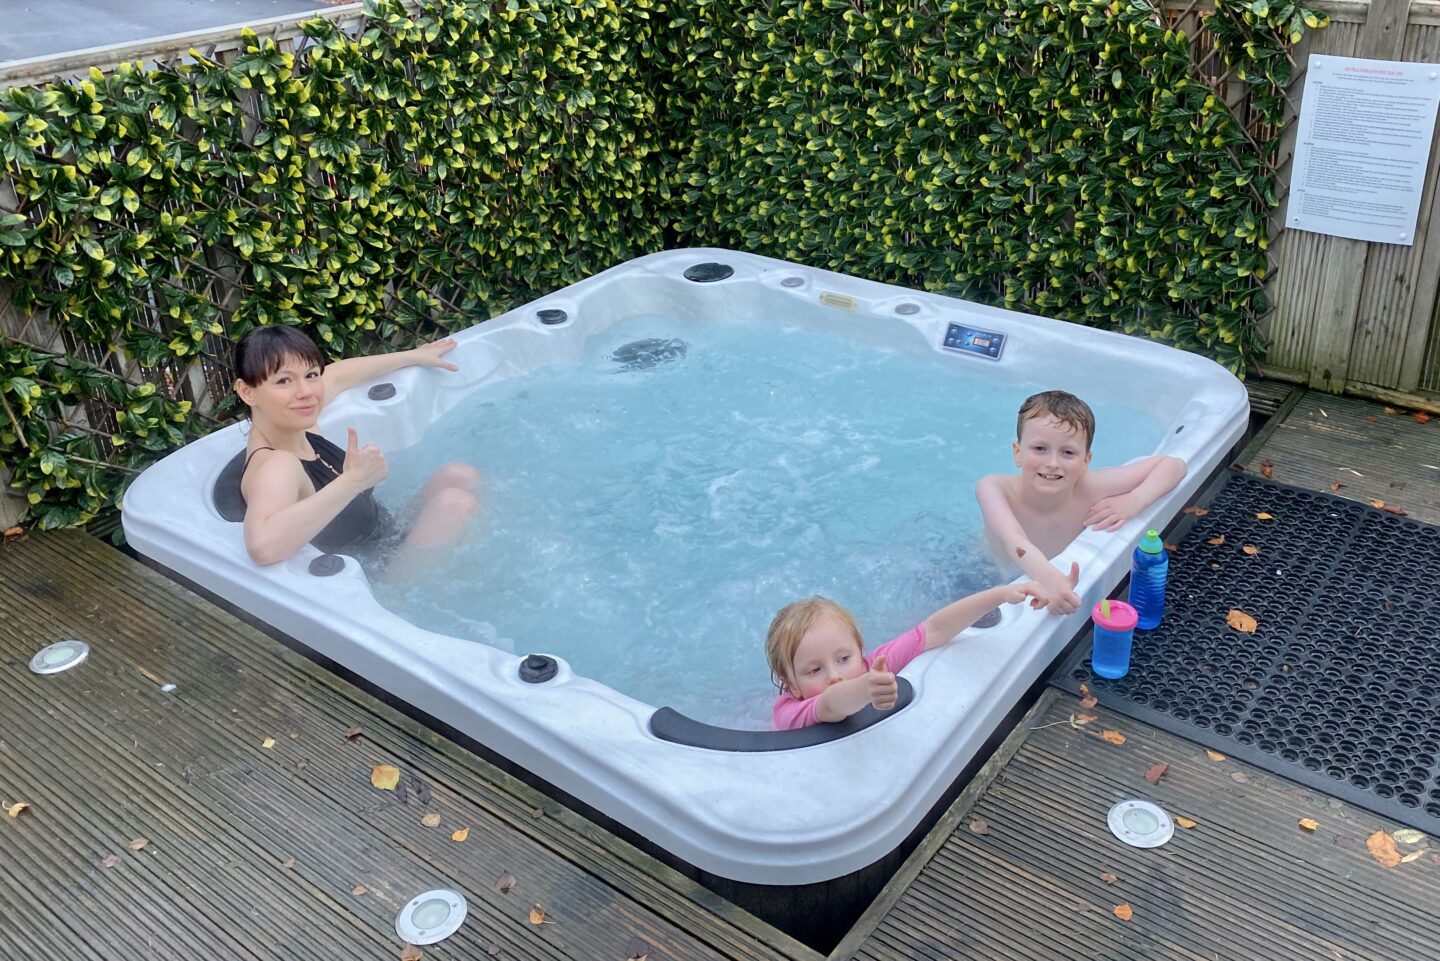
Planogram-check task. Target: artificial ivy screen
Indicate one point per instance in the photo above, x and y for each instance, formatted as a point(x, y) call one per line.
point(437, 167)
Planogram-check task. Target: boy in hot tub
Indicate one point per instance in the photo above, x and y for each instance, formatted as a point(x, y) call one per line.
point(1034, 515)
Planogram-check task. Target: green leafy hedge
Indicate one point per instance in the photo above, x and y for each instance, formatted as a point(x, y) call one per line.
point(1063, 157)
point(428, 173)
point(439, 167)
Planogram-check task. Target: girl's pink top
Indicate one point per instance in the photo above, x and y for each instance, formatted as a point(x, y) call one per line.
point(1122, 617)
point(789, 712)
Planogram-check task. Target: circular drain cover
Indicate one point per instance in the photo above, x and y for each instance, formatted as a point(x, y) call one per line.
point(649, 353)
point(1140, 824)
point(430, 917)
point(60, 656)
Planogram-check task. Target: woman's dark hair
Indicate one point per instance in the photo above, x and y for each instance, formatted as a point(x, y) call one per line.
point(264, 350)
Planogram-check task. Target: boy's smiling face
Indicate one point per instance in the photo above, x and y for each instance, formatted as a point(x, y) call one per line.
point(1051, 455)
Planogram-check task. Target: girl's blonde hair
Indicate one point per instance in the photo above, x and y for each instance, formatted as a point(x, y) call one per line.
point(790, 625)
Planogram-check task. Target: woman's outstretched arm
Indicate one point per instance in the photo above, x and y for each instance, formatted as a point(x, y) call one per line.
point(343, 374)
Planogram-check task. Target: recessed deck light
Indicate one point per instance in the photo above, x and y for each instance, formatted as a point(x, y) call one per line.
point(430, 917)
point(1140, 824)
point(60, 656)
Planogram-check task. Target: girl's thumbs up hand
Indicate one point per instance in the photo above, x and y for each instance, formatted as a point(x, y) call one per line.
point(881, 686)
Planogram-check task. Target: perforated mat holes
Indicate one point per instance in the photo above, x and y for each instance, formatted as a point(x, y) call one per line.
point(1340, 686)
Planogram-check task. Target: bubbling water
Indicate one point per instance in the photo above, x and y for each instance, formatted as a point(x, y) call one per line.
point(649, 509)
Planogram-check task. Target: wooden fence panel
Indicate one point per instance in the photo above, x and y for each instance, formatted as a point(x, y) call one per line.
point(1298, 283)
point(1350, 316)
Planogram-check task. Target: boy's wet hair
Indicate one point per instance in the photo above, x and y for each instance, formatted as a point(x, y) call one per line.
point(1063, 407)
point(264, 350)
point(789, 627)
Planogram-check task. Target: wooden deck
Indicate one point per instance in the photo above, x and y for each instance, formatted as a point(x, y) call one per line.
point(1019, 866)
point(234, 818)
point(1373, 455)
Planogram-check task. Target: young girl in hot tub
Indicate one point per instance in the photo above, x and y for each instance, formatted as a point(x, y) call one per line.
point(819, 662)
point(298, 487)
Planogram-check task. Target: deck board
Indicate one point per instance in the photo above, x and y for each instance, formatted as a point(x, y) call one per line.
point(1246, 882)
point(1352, 442)
point(254, 852)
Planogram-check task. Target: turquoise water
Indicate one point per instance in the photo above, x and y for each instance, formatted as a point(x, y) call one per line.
point(646, 517)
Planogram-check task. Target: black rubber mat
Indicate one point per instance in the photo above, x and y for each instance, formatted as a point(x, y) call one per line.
point(1338, 687)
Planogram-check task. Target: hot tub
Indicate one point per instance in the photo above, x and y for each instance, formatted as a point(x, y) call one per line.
point(783, 817)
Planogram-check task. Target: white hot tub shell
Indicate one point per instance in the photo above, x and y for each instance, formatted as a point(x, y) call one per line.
point(791, 817)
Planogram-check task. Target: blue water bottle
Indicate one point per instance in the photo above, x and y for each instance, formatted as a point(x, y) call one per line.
point(1147, 581)
point(1114, 635)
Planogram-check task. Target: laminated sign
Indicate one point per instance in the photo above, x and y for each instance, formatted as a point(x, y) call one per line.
point(1362, 146)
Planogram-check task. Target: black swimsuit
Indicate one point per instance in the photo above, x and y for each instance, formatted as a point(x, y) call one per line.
point(363, 521)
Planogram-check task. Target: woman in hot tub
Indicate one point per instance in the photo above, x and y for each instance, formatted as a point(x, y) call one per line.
point(299, 488)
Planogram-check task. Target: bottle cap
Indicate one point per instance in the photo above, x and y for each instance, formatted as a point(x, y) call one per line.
point(1121, 616)
point(1151, 543)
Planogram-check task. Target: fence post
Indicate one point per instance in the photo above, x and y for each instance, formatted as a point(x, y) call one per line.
point(1381, 38)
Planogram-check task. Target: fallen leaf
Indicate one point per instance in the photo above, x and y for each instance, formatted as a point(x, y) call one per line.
point(1185, 823)
point(110, 860)
point(1391, 410)
point(1371, 419)
point(1114, 737)
point(1123, 912)
point(13, 532)
point(1377, 503)
point(1172, 548)
point(506, 883)
point(1108, 878)
point(288, 863)
point(1083, 718)
point(411, 953)
point(1407, 836)
point(1421, 417)
point(293, 736)
point(431, 820)
point(978, 826)
point(1267, 469)
point(1241, 621)
point(460, 835)
point(1156, 773)
point(139, 843)
point(1239, 777)
point(537, 914)
point(536, 813)
point(15, 809)
point(352, 732)
point(1197, 511)
point(1087, 700)
point(1262, 516)
point(268, 743)
point(1214, 755)
point(1216, 541)
point(637, 950)
point(1308, 824)
point(1412, 856)
point(359, 889)
point(1382, 848)
point(385, 777)
point(1395, 509)
point(1335, 486)
point(1250, 549)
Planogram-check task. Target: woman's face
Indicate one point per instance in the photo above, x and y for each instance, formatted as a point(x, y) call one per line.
point(289, 399)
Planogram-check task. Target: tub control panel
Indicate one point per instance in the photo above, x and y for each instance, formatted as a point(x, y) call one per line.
point(971, 340)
